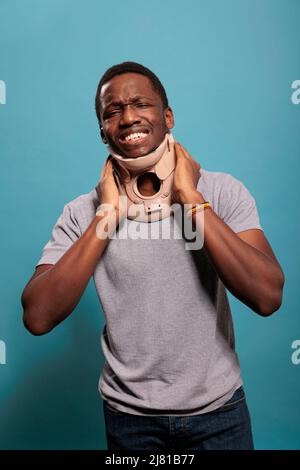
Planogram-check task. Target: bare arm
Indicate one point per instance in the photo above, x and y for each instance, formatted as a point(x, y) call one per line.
point(245, 262)
point(54, 290)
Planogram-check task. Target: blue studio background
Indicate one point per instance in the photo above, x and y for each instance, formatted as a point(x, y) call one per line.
point(229, 68)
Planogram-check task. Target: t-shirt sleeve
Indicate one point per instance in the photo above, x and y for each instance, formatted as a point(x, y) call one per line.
point(65, 232)
point(238, 206)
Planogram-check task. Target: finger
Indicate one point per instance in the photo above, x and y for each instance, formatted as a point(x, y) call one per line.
point(178, 150)
point(111, 173)
point(185, 152)
point(104, 167)
point(196, 165)
point(109, 169)
point(119, 170)
point(188, 155)
point(102, 171)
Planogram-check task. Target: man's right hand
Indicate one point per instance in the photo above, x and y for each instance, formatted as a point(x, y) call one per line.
point(55, 290)
point(107, 188)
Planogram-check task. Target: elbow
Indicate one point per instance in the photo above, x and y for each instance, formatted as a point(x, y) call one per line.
point(267, 309)
point(273, 299)
point(32, 318)
point(34, 327)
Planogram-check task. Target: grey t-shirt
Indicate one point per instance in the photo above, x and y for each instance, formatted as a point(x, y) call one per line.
point(168, 338)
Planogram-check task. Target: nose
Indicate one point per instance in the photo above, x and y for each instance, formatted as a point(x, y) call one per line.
point(129, 116)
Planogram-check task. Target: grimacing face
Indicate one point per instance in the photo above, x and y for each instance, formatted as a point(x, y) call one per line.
point(130, 105)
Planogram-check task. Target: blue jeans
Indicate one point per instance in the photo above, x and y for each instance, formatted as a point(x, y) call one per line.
point(227, 428)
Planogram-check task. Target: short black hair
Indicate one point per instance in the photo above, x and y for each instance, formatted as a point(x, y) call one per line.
point(130, 67)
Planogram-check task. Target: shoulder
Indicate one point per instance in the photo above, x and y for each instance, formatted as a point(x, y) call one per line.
point(223, 189)
point(212, 183)
point(84, 200)
point(82, 208)
point(216, 181)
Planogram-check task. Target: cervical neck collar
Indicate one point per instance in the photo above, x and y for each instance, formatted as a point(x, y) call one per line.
point(162, 162)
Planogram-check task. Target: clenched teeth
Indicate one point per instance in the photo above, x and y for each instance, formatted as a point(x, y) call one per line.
point(136, 135)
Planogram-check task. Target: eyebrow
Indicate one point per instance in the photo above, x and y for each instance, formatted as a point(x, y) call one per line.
point(120, 103)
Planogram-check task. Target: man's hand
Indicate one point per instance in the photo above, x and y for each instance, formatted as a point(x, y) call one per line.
point(186, 177)
point(107, 188)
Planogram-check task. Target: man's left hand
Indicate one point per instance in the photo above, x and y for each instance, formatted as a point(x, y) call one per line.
point(186, 176)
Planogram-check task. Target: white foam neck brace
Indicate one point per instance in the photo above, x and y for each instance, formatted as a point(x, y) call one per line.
point(161, 162)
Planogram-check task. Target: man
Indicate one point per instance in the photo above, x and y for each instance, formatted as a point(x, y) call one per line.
point(171, 377)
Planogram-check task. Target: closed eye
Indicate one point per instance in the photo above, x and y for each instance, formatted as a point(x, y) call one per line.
point(116, 111)
point(112, 113)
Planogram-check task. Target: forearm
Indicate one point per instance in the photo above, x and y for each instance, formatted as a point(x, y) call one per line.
point(249, 274)
point(51, 296)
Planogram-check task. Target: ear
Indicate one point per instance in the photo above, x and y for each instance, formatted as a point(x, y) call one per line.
point(169, 117)
point(103, 136)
